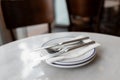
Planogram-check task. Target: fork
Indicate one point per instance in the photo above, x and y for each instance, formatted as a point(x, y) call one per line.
point(64, 50)
point(57, 47)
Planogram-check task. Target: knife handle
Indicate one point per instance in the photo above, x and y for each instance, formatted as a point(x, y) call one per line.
point(81, 45)
point(80, 39)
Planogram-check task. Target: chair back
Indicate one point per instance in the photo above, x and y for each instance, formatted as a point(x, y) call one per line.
point(84, 8)
point(83, 14)
point(19, 13)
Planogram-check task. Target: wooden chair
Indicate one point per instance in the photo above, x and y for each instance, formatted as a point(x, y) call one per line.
point(111, 18)
point(22, 13)
point(85, 12)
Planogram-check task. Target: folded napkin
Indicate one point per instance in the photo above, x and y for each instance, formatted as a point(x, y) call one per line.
point(81, 51)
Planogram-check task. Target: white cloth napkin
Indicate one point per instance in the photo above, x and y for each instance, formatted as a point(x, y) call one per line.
point(70, 54)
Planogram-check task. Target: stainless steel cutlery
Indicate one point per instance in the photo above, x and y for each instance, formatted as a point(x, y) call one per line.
point(60, 48)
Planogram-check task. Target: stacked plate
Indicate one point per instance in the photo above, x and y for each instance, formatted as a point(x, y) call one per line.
point(70, 62)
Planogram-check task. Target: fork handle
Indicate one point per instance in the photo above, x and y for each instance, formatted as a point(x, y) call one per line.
point(81, 45)
point(80, 39)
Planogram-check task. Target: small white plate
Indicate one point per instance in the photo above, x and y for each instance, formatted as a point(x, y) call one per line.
point(73, 62)
point(71, 66)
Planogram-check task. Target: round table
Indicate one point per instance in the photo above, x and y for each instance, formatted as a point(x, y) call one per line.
point(18, 63)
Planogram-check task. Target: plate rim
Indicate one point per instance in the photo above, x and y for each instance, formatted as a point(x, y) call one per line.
point(72, 66)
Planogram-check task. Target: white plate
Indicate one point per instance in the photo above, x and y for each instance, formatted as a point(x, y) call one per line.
point(71, 66)
point(81, 59)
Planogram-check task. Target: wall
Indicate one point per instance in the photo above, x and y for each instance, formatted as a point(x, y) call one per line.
point(61, 12)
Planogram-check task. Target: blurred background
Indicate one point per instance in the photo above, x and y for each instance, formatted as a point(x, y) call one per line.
point(25, 18)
